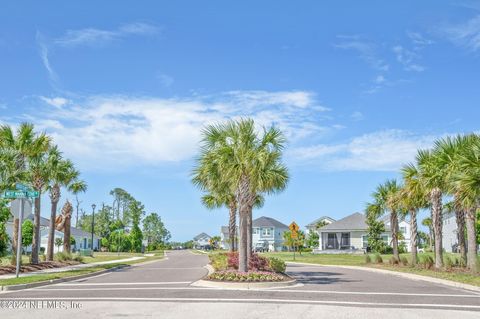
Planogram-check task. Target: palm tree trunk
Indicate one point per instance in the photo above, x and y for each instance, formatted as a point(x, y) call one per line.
point(249, 234)
point(471, 240)
point(413, 235)
point(36, 231)
point(436, 201)
point(232, 225)
point(394, 226)
point(460, 219)
point(243, 195)
point(51, 232)
point(66, 235)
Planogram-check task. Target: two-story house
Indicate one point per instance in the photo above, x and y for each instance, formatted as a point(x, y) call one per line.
point(268, 233)
point(202, 241)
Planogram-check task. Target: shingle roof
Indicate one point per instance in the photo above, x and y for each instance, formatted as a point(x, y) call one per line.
point(316, 221)
point(201, 235)
point(268, 222)
point(356, 221)
point(45, 222)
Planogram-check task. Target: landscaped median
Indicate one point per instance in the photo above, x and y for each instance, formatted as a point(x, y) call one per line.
point(263, 272)
point(454, 272)
point(94, 268)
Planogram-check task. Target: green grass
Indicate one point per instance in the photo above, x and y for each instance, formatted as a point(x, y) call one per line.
point(359, 260)
point(5, 261)
point(58, 275)
point(108, 256)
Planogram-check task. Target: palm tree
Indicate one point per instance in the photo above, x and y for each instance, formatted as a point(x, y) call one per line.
point(76, 188)
point(413, 198)
point(18, 149)
point(386, 199)
point(427, 222)
point(250, 165)
point(432, 174)
point(467, 180)
point(62, 173)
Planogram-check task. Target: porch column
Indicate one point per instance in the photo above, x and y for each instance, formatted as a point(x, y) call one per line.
point(339, 238)
point(320, 241)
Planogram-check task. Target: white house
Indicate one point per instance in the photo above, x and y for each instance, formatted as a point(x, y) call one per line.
point(82, 239)
point(201, 241)
point(450, 233)
point(268, 234)
point(349, 234)
point(225, 237)
point(404, 229)
point(314, 225)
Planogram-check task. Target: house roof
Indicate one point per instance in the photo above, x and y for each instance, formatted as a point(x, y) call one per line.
point(77, 232)
point(268, 222)
point(355, 221)
point(318, 220)
point(43, 221)
point(201, 235)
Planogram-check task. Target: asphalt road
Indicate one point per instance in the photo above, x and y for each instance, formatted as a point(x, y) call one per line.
point(161, 289)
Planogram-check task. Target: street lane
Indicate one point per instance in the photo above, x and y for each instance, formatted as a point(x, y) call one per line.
point(169, 280)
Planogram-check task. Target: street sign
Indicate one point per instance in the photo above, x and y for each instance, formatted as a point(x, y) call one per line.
point(293, 227)
point(33, 194)
point(16, 207)
point(21, 187)
point(13, 194)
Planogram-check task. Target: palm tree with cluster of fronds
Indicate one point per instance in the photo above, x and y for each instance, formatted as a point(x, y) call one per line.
point(238, 164)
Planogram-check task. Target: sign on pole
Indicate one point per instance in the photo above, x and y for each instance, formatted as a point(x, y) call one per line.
point(294, 234)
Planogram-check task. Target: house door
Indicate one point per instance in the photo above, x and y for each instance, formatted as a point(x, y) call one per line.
point(332, 241)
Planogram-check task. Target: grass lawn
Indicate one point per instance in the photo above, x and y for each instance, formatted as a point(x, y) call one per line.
point(4, 261)
point(107, 256)
point(359, 260)
point(51, 276)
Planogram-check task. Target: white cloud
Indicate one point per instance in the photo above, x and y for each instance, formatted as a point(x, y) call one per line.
point(357, 116)
point(43, 51)
point(55, 101)
point(466, 34)
point(115, 131)
point(407, 58)
point(93, 36)
point(366, 50)
point(384, 150)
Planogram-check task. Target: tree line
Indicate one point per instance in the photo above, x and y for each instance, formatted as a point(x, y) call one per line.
point(237, 167)
point(443, 179)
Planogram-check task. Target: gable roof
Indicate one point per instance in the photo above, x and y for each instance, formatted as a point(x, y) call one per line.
point(355, 221)
point(268, 222)
point(318, 220)
point(201, 235)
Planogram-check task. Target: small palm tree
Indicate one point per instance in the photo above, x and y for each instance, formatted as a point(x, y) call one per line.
point(413, 198)
point(76, 188)
point(427, 222)
point(62, 173)
point(386, 199)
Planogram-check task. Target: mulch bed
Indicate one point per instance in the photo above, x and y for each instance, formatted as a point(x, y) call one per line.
point(8, 269)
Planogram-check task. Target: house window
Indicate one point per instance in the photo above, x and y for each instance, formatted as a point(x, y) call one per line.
point(255, 231)
point(267, 232)
point(403, 230)
point(345, 240)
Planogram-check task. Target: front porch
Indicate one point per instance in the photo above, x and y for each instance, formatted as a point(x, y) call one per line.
point(335, 241)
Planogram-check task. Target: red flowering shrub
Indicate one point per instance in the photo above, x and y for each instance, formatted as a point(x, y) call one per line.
point(232, 260)
point(256, 263)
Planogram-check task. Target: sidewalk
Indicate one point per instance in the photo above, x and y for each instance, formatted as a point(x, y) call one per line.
point(73, 267)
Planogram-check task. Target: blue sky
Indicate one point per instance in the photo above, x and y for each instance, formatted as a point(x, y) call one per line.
point(124, 88)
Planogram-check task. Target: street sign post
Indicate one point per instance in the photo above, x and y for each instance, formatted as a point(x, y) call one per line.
point(22, 192)
point(294, 234)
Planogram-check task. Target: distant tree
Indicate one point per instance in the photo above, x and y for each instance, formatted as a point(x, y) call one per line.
point(312, 239)
point(427, 222)
point(375, 229)
point(294, 243)
point(4, 216)
point(136, 211)
point(58, 242)
point(154, 230)
point(215, 242)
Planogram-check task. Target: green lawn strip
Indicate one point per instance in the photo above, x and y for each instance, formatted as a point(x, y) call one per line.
point(70, 273)
point(359, 260)
point(99, 257)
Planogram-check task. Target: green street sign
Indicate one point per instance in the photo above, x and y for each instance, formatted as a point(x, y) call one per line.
point(12, 194)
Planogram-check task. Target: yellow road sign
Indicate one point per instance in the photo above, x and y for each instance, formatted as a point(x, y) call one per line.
point(293, 227)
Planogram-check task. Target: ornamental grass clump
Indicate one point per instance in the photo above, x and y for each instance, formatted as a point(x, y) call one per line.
point(368, 260)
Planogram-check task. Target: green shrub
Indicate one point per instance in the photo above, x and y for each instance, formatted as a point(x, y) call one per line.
point(427, 261)
point(252, 276)
point(307, 250)
point(449, 263)
point(402, 247)
point(78, 258)
point(393, 260)
point(277, 265)
point(61, 256)
point(368, 260)
point(377, 259)
point(462, 262)
point(404, 260)
point(218, 261)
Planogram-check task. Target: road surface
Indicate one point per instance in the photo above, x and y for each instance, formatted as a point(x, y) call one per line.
point(161, 289)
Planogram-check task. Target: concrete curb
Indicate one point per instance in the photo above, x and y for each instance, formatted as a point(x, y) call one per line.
point(59, 280)
point(243, 285)
point(400, 274)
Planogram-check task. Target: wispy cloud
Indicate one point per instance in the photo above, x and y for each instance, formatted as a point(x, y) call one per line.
point(94, 36)
point(384, 150)
point(114, 131)
point(43, 51)
point(367, 50)
point(465, 34)
point(407, 58)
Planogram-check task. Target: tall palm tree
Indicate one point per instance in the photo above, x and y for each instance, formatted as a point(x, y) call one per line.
point(413, 198)
point(467, 180)
point(62, 173)
point(25, 147)
point(432, 174)
point(251, 164)
point(76, 188)
point(386, 199)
